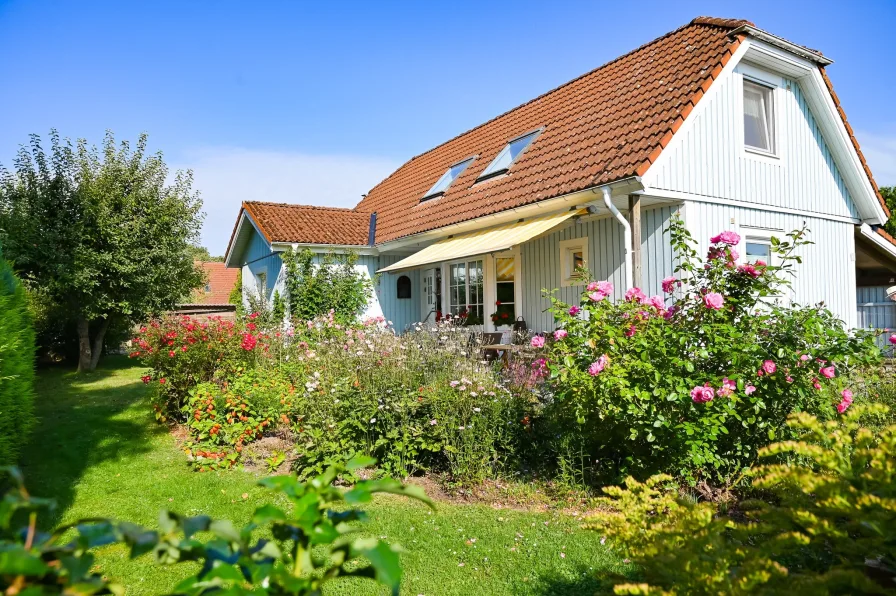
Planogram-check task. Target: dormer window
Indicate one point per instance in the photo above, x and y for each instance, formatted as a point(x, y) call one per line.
point(759, 122)
point(508, 155)
point(442, 184)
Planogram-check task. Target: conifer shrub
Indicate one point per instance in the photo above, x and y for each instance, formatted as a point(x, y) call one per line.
point(16, 366)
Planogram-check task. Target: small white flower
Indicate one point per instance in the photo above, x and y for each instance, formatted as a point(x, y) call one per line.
point(372, 420)
point(477, 409)
point(433, 422)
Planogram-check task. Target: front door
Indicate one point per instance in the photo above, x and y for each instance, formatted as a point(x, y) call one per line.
point(431, 309)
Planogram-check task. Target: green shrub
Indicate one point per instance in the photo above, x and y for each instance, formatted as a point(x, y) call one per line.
point(313, 544)
point(332, 286)
point(16, 366)
point(695, 389)
point(829, 529)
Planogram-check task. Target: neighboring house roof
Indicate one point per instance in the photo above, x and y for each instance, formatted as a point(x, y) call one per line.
point(306, 224)
point(221, 282)
point(606, 125)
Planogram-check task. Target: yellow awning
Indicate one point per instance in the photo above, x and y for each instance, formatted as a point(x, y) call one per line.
point(481, 242)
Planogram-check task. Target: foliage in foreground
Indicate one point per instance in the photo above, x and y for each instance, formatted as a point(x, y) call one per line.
point(102, 235)
point(312, 543)
point(693, 385)
point(831, 528)
point(16, 366)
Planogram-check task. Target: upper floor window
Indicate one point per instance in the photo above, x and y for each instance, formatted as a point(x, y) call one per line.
point(508, 155)
point(759, 129)
point(442, 184)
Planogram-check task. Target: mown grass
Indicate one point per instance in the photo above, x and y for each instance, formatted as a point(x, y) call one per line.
point(98, 452)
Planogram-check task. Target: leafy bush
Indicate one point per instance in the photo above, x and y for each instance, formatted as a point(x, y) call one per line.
point(312, 543)
point(333, 285)
point(16, 366)
point(183, 352)
point(829, 531)
point(694, 388)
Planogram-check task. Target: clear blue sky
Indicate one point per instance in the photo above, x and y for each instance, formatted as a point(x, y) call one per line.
point(315, 103)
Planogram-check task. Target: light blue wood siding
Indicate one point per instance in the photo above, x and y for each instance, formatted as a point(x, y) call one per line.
point(402, 312)
point(657, 260)
point(540, 267)
point(707, 158)
point(827, 273)
point(876, 311)
point(259, 258)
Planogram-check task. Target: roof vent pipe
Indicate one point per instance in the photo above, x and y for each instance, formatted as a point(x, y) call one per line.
point(371, 231)
point(626, 230)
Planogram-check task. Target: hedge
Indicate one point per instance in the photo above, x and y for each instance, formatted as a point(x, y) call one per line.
point(16, 366)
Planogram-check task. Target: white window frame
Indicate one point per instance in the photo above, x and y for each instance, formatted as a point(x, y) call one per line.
point(763, 236)
point(771, 121)
point(447, 280)
point(567, 248)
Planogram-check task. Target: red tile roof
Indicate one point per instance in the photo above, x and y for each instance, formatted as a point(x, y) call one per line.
point(608, 124)
point(221, 282)
point(603, 126)
point(281, 222)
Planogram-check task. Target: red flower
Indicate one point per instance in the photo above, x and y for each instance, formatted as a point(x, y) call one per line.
point(146, 379)
point(171, 353)
point(497, 303)
point(161, 381)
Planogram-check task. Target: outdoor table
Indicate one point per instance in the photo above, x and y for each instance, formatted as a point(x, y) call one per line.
point(505, 350)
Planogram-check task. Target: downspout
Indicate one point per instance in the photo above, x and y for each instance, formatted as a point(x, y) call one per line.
point(626, 230)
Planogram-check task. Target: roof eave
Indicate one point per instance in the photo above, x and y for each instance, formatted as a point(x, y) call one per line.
point(774, 40)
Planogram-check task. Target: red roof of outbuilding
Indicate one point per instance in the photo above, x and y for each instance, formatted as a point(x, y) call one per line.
point(221, 282)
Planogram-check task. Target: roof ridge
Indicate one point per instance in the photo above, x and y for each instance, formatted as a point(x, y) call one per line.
point(301, 206)
point(712, 21)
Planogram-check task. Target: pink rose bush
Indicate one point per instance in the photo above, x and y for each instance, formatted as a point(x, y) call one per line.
point(697, 386)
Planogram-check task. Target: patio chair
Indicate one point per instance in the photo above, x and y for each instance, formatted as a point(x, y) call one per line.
point(489, 339)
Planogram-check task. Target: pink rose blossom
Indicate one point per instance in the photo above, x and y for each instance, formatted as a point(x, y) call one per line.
point(605, 287)
point(827, 372)
point(630, 331)
point(769, 367)
point(749, 389)
point(760, 263)
point(657, 302)
point(816, 384)
point(844, 404)
point(596, 296)
point(591, 286)
point(727, 237)
point(669, 284)
point(893, 339)
point(598, 365)
point(574, 310)
point(560, 334)
point(635, 294)
point(804, 357)
point(713, 300)
point(728, 387)
point(537, 342)
point(749, 270)
point(702, 394)
point(789, 379)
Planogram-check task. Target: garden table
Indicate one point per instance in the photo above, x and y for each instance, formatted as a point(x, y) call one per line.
point(505, 350)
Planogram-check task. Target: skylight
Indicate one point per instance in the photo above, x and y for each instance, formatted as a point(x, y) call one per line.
point(508, 155)
point(442, 184)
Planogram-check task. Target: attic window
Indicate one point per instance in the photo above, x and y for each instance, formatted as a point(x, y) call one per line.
point(442, 184)
point(759, 123)
point(508, 155)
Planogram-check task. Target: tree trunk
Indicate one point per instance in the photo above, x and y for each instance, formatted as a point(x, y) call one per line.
point(89, 351)
point(84, 353)
point(98, 343)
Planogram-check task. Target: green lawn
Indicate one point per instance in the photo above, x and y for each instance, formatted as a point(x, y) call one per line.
point(98, 452)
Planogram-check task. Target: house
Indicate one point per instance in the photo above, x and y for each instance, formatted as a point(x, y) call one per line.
point(720, 122)
point(214, 297)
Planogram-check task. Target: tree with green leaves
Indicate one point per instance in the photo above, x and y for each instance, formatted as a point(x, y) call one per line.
point(889, 195)
point(105, 234)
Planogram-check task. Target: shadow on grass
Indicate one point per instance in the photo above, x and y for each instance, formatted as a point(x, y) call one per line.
point(83, 420)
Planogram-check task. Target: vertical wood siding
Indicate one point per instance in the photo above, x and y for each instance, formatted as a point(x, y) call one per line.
point(657, 260)
point(876, 311)
point(259, 257)
point(403, 312)
point(540, 267)
point(708, 158)
point(827, 273)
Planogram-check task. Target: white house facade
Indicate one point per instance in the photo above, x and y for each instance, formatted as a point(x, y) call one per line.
point(719, 122)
